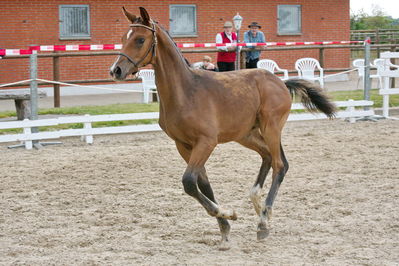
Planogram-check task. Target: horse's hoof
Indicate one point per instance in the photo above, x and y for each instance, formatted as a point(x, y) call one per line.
point(262, 234)
point(224, 245)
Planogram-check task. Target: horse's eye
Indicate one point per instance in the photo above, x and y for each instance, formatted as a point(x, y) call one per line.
point(140, 41)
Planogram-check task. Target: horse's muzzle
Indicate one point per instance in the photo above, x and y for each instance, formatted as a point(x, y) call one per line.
point(116, 72)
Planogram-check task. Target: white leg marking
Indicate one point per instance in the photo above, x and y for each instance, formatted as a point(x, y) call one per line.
point(254, 195)
point(230, 215)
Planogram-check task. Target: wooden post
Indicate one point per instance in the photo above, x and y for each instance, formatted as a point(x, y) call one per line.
point(393, 49)
point(23, 108)
point(367, 81)
point(377, 41)
point(56, 77)
point(321, 57)
point(242, 60)
point(154, 97)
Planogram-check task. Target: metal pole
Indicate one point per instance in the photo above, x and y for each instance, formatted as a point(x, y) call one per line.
point(34, 99)
point(238, 52)
point(33, 86)
point(367, 81)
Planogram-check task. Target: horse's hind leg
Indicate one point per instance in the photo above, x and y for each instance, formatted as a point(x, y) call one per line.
point(272, 136)
point(255, 141)
point(206, 189)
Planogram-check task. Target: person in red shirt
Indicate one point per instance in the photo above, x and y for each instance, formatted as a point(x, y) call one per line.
point(226, 58)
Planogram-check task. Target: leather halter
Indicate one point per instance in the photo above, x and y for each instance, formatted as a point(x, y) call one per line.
point(151, 48)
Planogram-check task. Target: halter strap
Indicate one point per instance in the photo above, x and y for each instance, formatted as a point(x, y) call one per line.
point(151, 48)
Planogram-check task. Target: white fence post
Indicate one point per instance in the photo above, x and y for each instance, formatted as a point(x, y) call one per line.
point(87, 126)
point(146, 94)
point(387, 74)
point(28, 143)
point(351, 110)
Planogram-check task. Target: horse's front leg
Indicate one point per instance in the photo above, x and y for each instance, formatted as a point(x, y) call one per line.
point(205, 187)
point(195, 177)
point(190, 183)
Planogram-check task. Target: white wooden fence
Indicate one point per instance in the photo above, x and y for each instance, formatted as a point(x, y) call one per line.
point(87, 132)
point(386, 75)
point(351, 112)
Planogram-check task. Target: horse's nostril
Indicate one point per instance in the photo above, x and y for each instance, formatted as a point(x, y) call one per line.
point(115, 72)
point(118, 71)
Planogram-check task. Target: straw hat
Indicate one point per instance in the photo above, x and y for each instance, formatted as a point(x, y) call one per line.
point(228, 24)
point(254, 24)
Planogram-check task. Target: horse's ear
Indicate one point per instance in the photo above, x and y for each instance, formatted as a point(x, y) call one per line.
point(145, 16)
point(128, 15)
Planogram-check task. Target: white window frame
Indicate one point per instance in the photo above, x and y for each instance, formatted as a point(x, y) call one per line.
point(186, 34)
point(81, 36)
point(299, 22)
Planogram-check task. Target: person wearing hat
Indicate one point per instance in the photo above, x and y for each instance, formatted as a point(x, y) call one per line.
point(225, 58)
point(254, 35)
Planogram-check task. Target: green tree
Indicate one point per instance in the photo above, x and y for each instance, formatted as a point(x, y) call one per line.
point(377, 20)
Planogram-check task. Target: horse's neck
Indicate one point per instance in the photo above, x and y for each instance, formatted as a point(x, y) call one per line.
point(172, 74)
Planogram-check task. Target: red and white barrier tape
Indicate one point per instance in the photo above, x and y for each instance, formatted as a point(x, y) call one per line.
point(5, 52)
point(180, 45)
point(193, 45)
point(77, 47)
point(100, 47)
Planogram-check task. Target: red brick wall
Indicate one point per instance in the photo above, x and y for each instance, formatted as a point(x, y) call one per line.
point(36, 22)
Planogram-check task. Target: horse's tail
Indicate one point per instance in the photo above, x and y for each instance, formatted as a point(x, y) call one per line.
point(312, 97)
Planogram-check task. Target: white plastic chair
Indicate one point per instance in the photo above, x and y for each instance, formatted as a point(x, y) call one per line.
point(148, 81)
point(359, 64)
point(306, 68)
point(272, 67)
point(197, 65)
point(383, 65)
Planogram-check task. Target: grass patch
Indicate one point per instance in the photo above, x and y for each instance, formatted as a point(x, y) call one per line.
point(94, 110)
point(359, 95)
point(102, 110)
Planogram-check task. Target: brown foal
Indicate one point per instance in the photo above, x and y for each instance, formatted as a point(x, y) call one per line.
point(200, 109)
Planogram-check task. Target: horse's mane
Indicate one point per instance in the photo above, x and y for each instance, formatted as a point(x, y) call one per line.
point(170, 37)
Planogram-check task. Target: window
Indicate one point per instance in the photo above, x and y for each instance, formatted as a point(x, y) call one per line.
point(289, 19)
point(183, 20)
point(74, 22)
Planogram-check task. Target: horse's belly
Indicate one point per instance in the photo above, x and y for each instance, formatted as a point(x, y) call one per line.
point(236, 130)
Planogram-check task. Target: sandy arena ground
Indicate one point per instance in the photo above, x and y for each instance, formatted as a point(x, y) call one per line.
point(121, 201)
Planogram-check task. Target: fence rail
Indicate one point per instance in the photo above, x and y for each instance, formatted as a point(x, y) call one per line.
point(377, 36)
point(87, 132)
